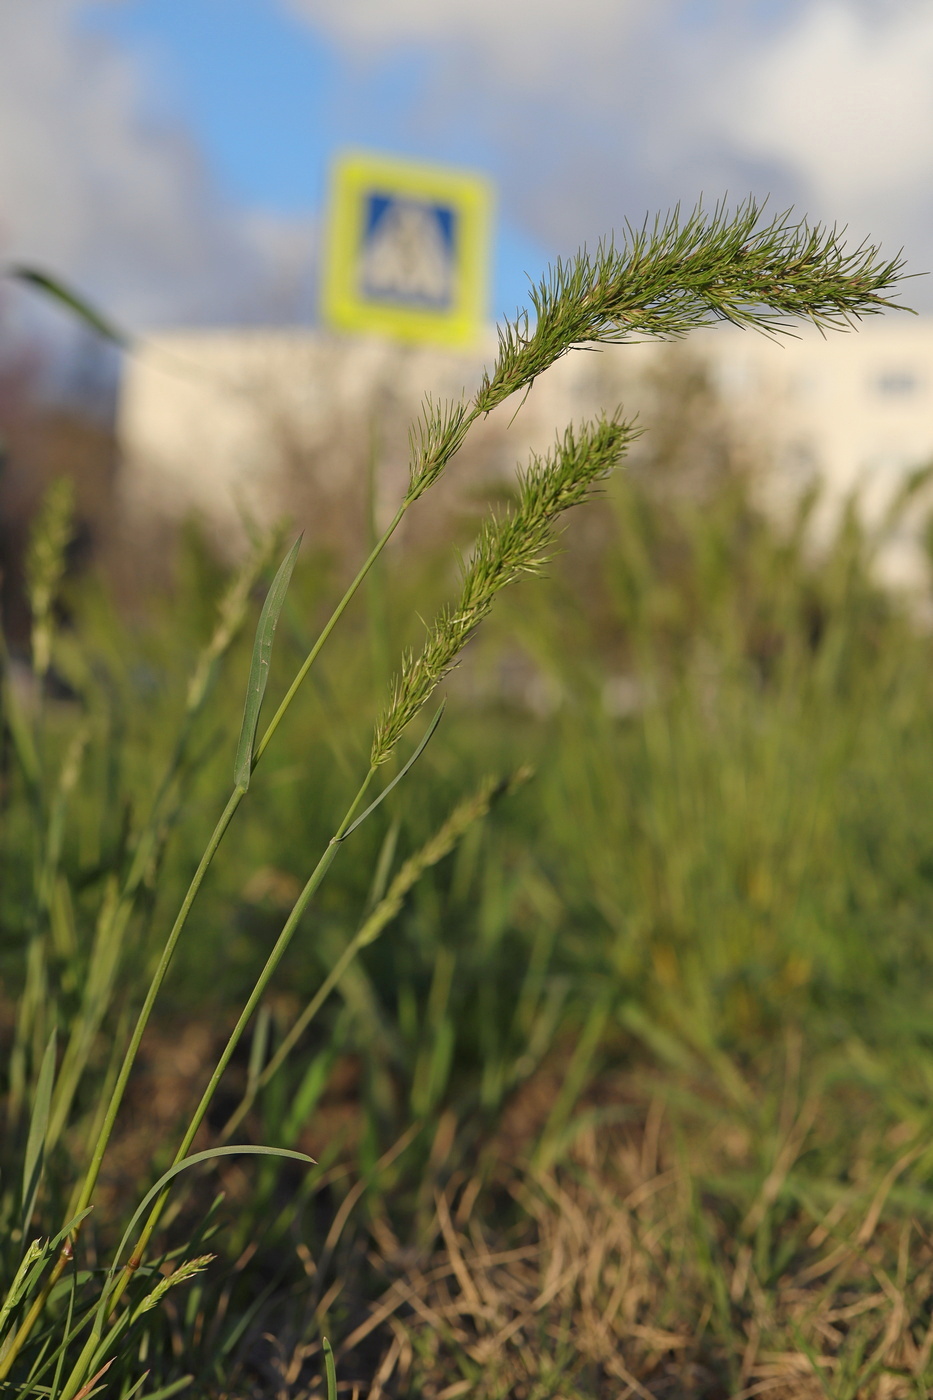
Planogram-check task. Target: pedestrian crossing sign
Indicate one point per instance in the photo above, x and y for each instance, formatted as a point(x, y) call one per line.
point(407, 250)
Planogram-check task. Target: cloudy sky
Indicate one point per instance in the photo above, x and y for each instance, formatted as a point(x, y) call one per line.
point(170, 156)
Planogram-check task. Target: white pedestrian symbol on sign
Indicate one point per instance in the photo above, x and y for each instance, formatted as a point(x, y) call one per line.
point(408, 252)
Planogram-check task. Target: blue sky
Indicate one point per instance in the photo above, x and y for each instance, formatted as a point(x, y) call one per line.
point(170, 156)
point(270, 101)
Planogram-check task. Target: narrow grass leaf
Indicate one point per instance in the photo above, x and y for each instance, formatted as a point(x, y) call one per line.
point(163, 1394)
point(575, 1078)
point(259, 1047)
point(312, 1086)
point(38, 1131)
point(59, 291)
point(383, 867)
point(89, 1388)
point(20, 736)
point(238, 1150)
point(68, 1229)
point(233, 1334)
point(57, 1380)
point(96, 1343)
point(429, 734)
point(259, 668)
point(331, 1370)
point(138, 1386)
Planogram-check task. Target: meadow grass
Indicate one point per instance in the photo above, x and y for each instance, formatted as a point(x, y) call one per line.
point(607, 1031)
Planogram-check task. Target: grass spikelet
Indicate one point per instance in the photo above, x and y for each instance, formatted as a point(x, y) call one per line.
point(45, 567)
point(434, 440)
point(515, 544)
point(675, 274)
point(182, 1274)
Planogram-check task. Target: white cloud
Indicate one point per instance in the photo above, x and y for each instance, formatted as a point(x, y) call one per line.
point(844, 96)
point(604, 108)
point(97, 191)
point(589, 110)
point(523, 38)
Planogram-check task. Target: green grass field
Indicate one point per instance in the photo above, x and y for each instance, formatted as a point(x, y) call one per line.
point(609, 1031)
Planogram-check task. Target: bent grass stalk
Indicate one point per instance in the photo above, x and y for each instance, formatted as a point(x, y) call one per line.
point(665, 280)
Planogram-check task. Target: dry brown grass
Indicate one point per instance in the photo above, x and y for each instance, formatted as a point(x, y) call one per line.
point(696, 1240)
point(630, 1270)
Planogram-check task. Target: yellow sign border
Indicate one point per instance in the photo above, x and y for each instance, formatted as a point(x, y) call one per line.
point(357, 174)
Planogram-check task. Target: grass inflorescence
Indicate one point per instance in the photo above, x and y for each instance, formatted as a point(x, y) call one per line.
point(517, 543)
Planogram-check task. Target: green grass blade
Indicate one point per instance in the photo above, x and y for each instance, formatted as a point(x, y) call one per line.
point(91, 1355)
point(238, 1150)
point(167, 1390)
point(21, 737)
point(331, 1370)
point(311, 1087)
point(399, 776)
point(66, 1230)
point(136, 1387)
point(57, 1380)
point(575, 1077)
point(259, 668)
point(34, 1162)
point(92, 1387)
point(34, 1253)
point(259, 1047)
point(58, 291)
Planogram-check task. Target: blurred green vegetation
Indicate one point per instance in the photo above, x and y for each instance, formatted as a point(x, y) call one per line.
point(728, 821)
point(726, 847)
point(728, 828)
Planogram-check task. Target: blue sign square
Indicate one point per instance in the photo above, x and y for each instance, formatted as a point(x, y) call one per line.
point(408, 256)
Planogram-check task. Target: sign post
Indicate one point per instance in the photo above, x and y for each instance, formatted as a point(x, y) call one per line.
point(407, 251)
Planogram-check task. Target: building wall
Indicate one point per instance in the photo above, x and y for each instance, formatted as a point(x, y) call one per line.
point(254, 423)
point(853, 412)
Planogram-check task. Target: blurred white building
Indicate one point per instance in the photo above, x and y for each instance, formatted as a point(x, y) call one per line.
point(853, 412)
point(227, 424)
point(222, 424)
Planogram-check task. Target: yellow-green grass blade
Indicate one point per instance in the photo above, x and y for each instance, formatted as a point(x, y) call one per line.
point(331, 1370)
point(429, 734)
